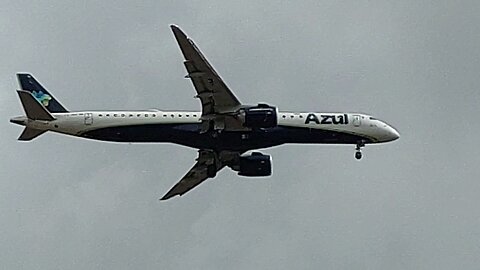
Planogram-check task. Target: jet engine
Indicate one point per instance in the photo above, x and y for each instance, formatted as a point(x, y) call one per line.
point(256, 164)
point(260, 116)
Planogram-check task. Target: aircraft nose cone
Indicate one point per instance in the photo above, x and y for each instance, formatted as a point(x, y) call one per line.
point(393, 134)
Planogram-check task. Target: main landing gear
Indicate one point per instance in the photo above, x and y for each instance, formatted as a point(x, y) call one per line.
point(358, 150)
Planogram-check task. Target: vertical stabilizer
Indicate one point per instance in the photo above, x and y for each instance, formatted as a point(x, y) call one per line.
point(28, 83)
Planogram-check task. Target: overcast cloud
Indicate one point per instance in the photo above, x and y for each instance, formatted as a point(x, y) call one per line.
point(68, 203)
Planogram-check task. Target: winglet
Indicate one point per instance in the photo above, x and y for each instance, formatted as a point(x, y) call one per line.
point(176, 29)
point(174, 26)
point(182, 39)
point(169, 195)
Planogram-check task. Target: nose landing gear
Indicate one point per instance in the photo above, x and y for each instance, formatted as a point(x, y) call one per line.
point(358, 150)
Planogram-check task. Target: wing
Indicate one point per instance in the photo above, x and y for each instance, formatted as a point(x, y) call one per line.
point(214, 94)
point(207, 166)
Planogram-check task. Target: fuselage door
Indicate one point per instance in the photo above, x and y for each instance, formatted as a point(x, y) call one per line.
point(356, 120)
point(88, 119)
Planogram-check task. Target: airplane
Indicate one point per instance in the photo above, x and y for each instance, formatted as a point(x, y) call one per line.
point(223, 131)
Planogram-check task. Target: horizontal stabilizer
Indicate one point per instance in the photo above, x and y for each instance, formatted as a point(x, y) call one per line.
point(30, 133)
point(33, 109)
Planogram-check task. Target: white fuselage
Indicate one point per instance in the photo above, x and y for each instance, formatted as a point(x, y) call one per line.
point(77, 123)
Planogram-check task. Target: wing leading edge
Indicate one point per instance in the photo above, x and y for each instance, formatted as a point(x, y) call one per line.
point(207, 166)
point(214, 94)
point(217, 102)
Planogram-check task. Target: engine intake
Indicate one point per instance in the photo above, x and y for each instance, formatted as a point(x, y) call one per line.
point(257, 164)
point(261, 116)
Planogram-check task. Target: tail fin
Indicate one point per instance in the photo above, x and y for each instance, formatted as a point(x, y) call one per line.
point(28, 83)
point(33, 109)
point(30, 133)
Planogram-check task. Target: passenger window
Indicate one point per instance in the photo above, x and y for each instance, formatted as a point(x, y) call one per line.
point(131, 115)
point(123, 115)
point(154, 115)
point(164, 115)
point(194, 115)
point(138, 115)
point(115, 115)
point(99, 115)
point(146, 115)
point(172, 115)
point(284, 116)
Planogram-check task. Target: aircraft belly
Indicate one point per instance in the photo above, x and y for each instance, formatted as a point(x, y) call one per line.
point(190, 135)
point(323, 136)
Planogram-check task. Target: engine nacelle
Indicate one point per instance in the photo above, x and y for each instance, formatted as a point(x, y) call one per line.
point(257, 164)
point(260, 116)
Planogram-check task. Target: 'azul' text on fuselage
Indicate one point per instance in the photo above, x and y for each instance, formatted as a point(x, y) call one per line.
point(327, 119)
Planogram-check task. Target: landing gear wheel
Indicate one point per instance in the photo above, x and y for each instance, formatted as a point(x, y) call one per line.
point(358, 154)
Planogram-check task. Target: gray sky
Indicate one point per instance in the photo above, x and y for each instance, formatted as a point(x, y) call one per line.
point(68, 203)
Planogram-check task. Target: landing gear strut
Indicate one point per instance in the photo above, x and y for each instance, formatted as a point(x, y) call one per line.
point(358, 150)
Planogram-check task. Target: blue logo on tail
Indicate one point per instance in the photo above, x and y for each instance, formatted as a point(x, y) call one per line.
point(42, 97)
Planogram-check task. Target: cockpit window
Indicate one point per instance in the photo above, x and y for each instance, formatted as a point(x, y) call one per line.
point(372, 118)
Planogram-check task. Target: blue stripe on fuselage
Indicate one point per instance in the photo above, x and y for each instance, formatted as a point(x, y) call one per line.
point(189, 135)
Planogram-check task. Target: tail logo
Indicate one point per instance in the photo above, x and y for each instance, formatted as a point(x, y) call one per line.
point(42, 97)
